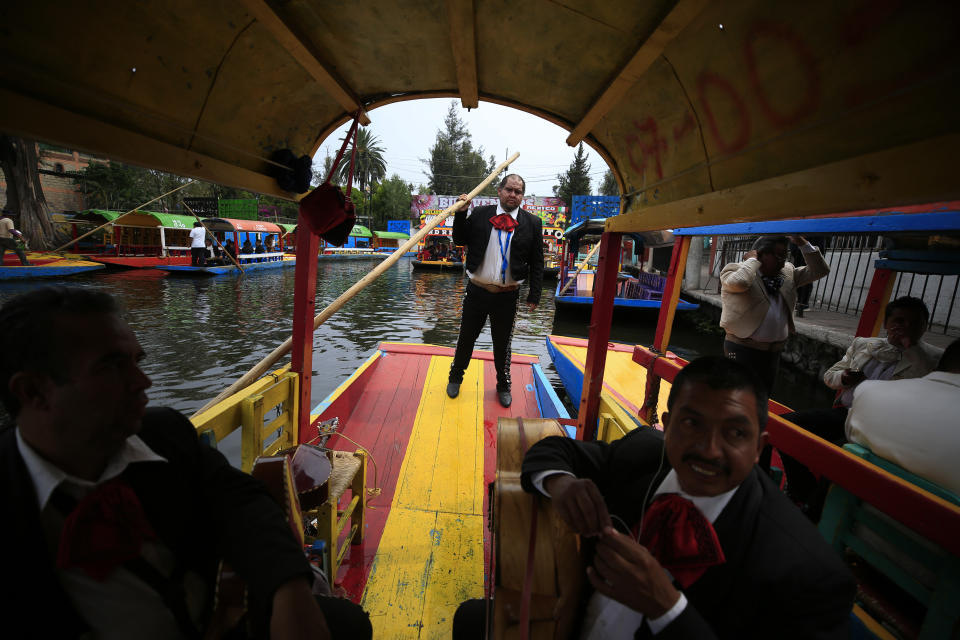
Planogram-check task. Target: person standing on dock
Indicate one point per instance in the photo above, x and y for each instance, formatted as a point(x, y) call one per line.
point(198, 247)
point(504, 249)
point(118, 515)
point(7, 241)
point(758, 296)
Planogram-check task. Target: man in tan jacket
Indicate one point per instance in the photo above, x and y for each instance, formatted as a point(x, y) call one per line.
point(758, 296)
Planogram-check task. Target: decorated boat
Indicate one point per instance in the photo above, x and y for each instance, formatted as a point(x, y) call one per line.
point(707, 113)
point(137, 239)
point(639, 290)
point(256, 244)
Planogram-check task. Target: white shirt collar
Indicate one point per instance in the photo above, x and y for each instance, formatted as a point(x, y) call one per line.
point(710, 506)
point(513, 214)
point(46, 476)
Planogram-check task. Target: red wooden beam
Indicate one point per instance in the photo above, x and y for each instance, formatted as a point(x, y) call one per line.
point(871, 318)
point(304, 307)
point(601, 316)
point(927, 514)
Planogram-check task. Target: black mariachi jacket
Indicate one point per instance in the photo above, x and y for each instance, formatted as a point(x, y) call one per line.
point(526, 247)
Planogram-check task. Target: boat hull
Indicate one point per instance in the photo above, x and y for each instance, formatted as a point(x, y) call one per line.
point(221, 270)
point(48, 269)
point(141, 262)
point(437, 265)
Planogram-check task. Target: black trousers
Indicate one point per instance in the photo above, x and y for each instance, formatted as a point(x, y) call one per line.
point(765, 363)
point(478, 305)
point(198, 256)
point(802, 486)
point(10, 243)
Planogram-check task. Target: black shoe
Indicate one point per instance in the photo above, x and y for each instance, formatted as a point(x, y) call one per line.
point(453, 389)
point(505, 398)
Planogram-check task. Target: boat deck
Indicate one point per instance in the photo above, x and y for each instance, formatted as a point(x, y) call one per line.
point(426, 542)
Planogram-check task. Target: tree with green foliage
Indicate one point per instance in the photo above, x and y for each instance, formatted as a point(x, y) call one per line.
point(609, 185)
point(576, 181)
point(455, 166)
point(391, 201)
point(369, 167)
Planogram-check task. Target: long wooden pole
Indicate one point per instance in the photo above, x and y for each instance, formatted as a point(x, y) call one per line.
point(264, 365)
point(579, 269)
point(205, 228)
point(120, 217)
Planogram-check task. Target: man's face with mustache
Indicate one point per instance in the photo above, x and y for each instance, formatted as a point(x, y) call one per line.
point(712, 437)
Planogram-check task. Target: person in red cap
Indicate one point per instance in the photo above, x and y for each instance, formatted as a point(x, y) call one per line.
point(504, 250)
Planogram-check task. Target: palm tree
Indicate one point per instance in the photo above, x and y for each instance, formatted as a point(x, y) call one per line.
point(369, 167)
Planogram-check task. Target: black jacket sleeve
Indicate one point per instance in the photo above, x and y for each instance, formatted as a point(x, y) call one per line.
point(535, 260)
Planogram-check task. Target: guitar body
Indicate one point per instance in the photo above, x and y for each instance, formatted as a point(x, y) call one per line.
point(538, 570)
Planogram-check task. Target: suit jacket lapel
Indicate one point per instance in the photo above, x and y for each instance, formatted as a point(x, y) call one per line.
point(31, 575)
point(734, 529)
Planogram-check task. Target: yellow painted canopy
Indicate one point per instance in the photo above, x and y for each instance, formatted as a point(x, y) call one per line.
point(707, 111)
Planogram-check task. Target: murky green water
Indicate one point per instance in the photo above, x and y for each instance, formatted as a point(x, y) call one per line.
point(201, 334)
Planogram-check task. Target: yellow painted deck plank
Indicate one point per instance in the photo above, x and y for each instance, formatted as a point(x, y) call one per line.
point(430, 557)
point(621, 374)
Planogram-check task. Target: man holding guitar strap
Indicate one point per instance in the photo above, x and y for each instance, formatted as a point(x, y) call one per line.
point(684, 537)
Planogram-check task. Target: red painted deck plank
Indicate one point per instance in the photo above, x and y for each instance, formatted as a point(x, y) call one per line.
point(434, 350)
point(382, 420)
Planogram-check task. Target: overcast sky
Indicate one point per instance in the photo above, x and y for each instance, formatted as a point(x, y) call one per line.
point(407, 130)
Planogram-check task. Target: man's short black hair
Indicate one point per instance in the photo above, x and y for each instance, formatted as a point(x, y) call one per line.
point(768, 244)
point(950, 360)
point(198, 224)
point(27, 340)
point(523, 183)
point(722, 373)
point(909, 303)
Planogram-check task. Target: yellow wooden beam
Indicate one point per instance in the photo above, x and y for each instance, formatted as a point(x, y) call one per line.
point(463, 39)
point(679, 17)
point(296, 47)
point(32, 118)
point(911, 174)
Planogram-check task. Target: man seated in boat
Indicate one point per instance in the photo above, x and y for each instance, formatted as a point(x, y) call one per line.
point(247, 246)
point(901, 355)
point(116, 515)
point(913, 423)
point(231, 249)
point(687, 538)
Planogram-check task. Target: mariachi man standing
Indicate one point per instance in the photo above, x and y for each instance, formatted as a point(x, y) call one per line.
point(504, 248)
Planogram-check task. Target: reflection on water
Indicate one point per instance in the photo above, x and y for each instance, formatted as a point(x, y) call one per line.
point(201, 334)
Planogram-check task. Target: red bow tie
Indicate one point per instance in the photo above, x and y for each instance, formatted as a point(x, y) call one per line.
point(105, 530)
point(504, 222)
point(681, 538)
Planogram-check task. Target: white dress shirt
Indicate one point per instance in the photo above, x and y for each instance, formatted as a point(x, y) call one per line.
point(607, 619)
point(497, 247)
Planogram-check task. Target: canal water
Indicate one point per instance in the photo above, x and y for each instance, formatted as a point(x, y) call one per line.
point(202, 333)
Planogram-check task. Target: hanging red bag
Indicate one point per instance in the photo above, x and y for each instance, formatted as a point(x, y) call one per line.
point(326, 210)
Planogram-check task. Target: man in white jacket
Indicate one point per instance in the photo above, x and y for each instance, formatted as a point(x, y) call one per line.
point(898, 356)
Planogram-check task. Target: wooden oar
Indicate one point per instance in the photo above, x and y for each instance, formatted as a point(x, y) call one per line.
point(264, 365)
point(582, 265)
point(120, 217)
point(214, 238)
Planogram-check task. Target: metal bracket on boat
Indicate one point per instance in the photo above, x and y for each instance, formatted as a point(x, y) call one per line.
point(648, 412)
